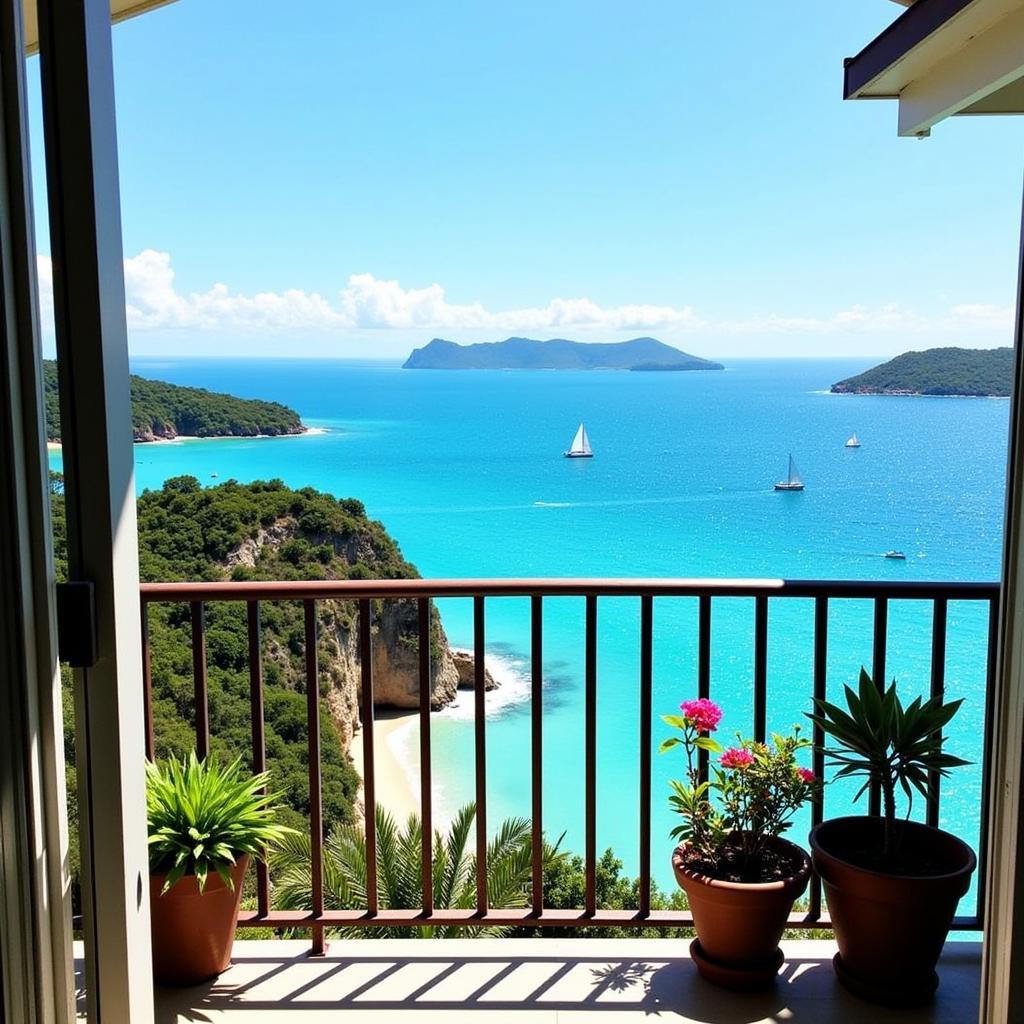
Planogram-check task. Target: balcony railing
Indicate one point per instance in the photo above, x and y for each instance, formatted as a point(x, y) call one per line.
point(365, 592)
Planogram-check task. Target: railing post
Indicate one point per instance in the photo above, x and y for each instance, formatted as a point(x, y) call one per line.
point(537, 748)
point(202, 697)
point(259, 746)
point(818, 735)
point(316, 823)
point(760, 667)
point(426, 813)
point(590, 755)
point(646, 698)
point(369, 763)
point(878, 678)
point(937, 689)
point(147, 685)
point(480, 736)
point(703, 667)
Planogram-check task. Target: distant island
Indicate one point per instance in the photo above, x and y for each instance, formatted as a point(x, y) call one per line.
point(974, 373)
point(162, 411)
point(556, 354)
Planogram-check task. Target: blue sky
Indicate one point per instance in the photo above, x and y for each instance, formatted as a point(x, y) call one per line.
point(354, 179)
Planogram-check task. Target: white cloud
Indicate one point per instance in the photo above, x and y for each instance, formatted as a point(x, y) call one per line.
point(153, 302)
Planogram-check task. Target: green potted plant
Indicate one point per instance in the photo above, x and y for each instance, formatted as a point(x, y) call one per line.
point(740, 876)
point(205, 821)
point(892, 884)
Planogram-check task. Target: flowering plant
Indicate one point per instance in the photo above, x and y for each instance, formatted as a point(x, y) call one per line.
point(750, 796)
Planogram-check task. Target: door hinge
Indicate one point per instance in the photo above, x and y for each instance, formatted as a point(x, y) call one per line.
point(76, 624)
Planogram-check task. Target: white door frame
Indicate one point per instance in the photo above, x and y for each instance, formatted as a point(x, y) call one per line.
point(83, 193)
point(36, 967)
point(1002, 990)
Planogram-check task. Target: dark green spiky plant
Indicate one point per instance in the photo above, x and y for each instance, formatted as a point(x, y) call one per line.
point(204, 815)
point(399, 870)
point(889, 744)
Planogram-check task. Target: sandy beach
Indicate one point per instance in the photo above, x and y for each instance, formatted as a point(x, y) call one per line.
point(395, 782)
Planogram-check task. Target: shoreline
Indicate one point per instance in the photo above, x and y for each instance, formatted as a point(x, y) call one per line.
point(395, 780)
point(56, 446)
point(396, 740)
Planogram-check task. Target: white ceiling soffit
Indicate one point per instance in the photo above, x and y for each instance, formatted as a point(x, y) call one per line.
point(119, 11)
point(971, 64)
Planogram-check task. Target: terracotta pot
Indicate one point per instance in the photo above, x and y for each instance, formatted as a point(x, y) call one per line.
point(192, 931)
point(890, 928)
point(739, 924)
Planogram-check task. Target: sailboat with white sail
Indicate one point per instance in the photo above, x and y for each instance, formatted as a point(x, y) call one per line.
point(792, 481)
point(853, 442)
point(580, 447)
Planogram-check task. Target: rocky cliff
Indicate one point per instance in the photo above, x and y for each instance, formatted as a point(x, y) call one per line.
point(267, 531)
point(395, 633)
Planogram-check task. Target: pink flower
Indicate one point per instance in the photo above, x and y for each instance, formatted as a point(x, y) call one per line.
point(703, 714)
point(736, 757)
point(805, 774)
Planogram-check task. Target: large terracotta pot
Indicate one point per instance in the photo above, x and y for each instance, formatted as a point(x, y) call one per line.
point(739, 924)
point(890, 928)
point(193, 932)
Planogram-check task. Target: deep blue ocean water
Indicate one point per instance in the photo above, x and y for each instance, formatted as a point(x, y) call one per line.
point(466, 471)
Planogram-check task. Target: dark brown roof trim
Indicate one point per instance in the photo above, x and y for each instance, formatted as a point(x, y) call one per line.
point(907, 31)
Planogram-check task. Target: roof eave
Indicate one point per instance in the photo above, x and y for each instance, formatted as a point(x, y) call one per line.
point(942, 58)
point(120, 10)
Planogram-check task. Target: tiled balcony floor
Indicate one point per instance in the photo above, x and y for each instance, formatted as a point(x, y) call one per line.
point(537, 980)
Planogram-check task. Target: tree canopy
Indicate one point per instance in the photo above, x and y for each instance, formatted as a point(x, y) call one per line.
point(161, 410)
point(937, 371)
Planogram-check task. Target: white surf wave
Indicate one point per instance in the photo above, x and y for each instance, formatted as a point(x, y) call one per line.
point(512, 675)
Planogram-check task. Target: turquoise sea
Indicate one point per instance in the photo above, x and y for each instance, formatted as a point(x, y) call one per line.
point(466, 471)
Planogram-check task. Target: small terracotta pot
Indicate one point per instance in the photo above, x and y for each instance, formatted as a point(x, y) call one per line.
point(739, 924)
point(193, 932)
point(890, 928)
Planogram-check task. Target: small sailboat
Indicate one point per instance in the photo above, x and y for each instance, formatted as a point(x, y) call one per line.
point(792, 481)
point(898, 555)
point(853, 442)
point(580, 447)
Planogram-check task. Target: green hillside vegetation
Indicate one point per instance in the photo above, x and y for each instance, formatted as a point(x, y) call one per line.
point(937, 371)
point(554, 354)
point(161, 410)
point(186, 533)
point(191, 533)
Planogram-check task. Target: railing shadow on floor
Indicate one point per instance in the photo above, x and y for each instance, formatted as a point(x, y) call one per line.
point(569, 978)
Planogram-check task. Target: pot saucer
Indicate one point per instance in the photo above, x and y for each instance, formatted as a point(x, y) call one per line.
point(749, 977)
point(904, 995)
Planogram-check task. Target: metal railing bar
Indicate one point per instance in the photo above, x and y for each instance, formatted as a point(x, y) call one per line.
point(480, 746)
point(537, 749)
point(284, 590)
point(426, 814)
point(316, 824)
point(202, 699)
point(259, 746)
point(316, 919)
point(937, 689)
point(646, 701)
point(590, 744)
point(147, 686)
point(366, 713)
point(820, 684)
point(703, 668)
point(878, 644)
point(760, 667)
